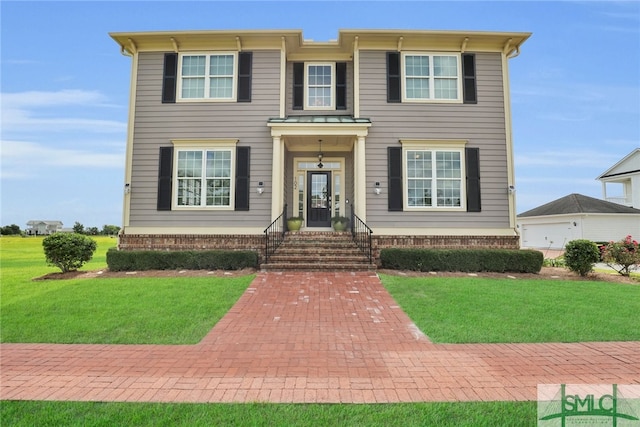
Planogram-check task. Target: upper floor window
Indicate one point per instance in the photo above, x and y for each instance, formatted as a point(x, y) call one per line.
point(320, 86)
point(207, 76)
point(431, 77)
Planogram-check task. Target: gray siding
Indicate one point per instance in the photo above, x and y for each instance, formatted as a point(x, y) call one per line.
point(156, 124)
point(483, 124)
point(289, 97)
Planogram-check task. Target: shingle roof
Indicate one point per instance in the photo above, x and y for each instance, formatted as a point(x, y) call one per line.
point(577, 203)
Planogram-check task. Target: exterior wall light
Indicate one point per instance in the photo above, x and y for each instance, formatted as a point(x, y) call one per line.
point(376, 188)
point(260, 188)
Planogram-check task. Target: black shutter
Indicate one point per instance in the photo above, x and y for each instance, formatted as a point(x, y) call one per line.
point(242, 179)
point(469, 94)
point(244, 76)
point(341, 86)
point(472, 159)
point(393, 77)
point(165, 172)
point(394, 159)
point(298, 85)
point(170, 78)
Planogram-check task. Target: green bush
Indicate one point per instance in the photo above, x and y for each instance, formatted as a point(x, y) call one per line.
point(622, 255)
point(68, 251)
point(465, 260)
point(174, 260)
point(580, 256)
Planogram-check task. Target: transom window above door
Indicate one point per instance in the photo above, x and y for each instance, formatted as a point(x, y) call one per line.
point(320, 86)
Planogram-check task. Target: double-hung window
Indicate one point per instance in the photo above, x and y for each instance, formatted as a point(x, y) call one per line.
point(210, 76)
point(431, 77)
point(203, 178)
point(434, 177)
point(320, 86)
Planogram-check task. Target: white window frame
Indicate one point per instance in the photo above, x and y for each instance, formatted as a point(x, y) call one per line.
point(204, 147)
point(207, 77)
point(332, 66)
point(432, 78)
point(433, 147)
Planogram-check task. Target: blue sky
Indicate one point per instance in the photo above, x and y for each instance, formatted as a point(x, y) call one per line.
point(65, 86)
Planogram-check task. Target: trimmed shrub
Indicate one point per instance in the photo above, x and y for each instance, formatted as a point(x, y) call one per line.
point(68, 251)
point(464, 260)
point(174, 260)
point(580, 256)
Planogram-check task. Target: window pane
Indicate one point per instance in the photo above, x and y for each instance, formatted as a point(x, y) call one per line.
point(218, 164)
point(445, 66)
point(193, 87)
point(448, 193)
point(446, 89)
point(221, 65)
point(419, 192)
point(218, 192)
point(221, 87)
point(189, 164)
point(189, 192)
point(417, 88)
point(193, 65)
point(419, 164)
point(448, 164)
point(417, 66)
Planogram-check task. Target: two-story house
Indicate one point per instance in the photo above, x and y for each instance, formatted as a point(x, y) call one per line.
point(410, 130)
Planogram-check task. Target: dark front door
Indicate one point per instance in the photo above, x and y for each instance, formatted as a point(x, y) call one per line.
point(318, 199)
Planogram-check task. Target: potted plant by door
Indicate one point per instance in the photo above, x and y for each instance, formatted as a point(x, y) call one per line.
point(339, 223)
point(294, 223)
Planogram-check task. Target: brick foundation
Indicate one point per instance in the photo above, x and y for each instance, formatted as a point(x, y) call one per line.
point(185, 242)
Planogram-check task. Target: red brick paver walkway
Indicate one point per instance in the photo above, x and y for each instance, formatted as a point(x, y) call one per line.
point(310, 337)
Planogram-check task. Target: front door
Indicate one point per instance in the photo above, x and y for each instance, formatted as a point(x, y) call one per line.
point(318, 199)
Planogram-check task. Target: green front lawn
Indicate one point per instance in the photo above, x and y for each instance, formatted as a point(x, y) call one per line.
point(476, 414)
point(481, 310)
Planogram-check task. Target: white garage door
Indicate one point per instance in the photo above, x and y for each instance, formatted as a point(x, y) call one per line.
point(552, 236)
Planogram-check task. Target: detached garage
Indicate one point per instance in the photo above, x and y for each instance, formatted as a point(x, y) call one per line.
point(575, 216)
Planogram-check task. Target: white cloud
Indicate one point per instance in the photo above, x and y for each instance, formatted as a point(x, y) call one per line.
point(20, 112)
point(566, 159)
point(20, 157)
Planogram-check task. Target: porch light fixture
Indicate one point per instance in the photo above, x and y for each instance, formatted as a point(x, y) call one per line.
point(320, 155)
point(376, 188)
point(260, 188)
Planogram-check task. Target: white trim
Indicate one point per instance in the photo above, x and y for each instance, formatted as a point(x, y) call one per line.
point(432, 78)
point(207, 77)
point(332, 66)
point(126, 205)
point(511, 176)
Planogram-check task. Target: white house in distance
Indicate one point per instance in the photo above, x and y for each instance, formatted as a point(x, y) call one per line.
point(576, 216)
point(621, 182)
point(42, 228)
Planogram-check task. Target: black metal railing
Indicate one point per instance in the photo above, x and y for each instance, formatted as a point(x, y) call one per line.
point(274, 234)
point(361, 234)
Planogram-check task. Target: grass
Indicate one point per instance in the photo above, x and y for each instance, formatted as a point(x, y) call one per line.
point(30, 413)
point(479, 310)
point(107, 311)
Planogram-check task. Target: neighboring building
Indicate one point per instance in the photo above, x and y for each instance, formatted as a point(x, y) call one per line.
point(575, 216)
point(623, 180)
point(410, 129)
point(41, 228)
